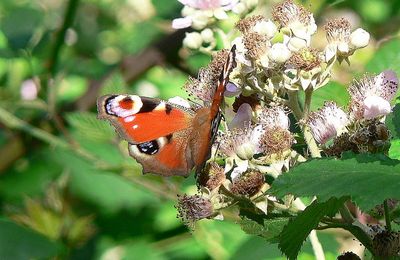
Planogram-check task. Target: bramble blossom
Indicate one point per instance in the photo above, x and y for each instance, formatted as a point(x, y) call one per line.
point(371, 96)
point(327, 122)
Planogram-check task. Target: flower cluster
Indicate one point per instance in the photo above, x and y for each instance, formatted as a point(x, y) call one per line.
point(369, 102)
point(203, 14)
point(276, 64)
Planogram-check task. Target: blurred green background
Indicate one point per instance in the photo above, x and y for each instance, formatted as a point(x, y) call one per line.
point(68, 189)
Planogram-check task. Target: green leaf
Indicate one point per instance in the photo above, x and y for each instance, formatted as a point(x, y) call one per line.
point(333, 91)
point(387, 57)
point(368, 179)
point(394, 151)
point(19, 26)
point(114, 85)
point(88, 126)
point(296, 231)
point(108, 191)
point(270, 230)
point(17, 242)
point(393, 122)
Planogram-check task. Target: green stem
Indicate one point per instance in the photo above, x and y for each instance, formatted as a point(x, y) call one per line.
point(346, 215)
point(301, 115)
point(387, 216)
point(14, 122)
point(55, 52)
point(294, 105)
point(308, 137)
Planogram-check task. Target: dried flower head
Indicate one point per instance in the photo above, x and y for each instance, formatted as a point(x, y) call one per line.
point(193, 208)
point(386, 244)
point(338, 30)
point(212, 177)
point(276, 140)
point(327, 122)
point(255, 44)
point(341, 144)
point(248, 184)
point(305, 59)
point(201, 87)
point(372, 137)
point(288, 12)
point(217, 63)
point(247, 24)
point(371, 96)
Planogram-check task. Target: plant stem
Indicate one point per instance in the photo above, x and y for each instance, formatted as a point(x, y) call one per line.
point(346, 215)
point(55, 51)
point(14, 122)
point(387, 216)
point(316, 246)
point(300, 115)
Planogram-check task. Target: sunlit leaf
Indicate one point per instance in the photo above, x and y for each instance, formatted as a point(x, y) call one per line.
point(368, 179)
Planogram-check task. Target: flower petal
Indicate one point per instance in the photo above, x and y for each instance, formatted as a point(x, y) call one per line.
point(242, 117)
point(375, 106)
point(180, 23)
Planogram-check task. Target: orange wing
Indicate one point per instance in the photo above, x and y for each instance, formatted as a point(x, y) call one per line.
point(141, 119)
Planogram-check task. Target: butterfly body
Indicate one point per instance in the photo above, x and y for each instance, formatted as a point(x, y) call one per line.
point(166, 138)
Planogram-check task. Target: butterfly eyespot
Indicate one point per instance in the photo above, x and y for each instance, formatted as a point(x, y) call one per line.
point(123, 105)
point(149, 148)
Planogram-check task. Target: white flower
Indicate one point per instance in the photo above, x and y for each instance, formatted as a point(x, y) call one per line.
point(371, 96)
point(267, 28)
point(198, 12)
point(274, 117)
point(279, 53)
point(296, 22)
point(207, 35)
point(340, 39)
point(327, 122)
point(243, 142)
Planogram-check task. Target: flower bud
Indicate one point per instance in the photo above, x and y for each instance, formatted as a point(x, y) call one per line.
point(279, 53)
point(207, 35)
point(359, 38)
point(193, 40)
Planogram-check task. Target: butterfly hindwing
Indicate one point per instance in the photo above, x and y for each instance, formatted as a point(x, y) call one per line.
point(141, 119)
point(167, 156)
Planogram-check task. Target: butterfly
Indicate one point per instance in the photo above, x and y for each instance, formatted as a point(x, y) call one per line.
point(166, 138)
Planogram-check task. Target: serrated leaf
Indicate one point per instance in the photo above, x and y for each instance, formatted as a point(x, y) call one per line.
point(368, 179)
point(269, 231)
point(90, 127)
point(296, 231)
point(114, 85)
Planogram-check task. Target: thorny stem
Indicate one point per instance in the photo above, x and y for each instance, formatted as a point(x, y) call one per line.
point(387, 216)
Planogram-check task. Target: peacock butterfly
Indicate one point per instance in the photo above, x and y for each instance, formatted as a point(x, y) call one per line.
point(166, 138)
